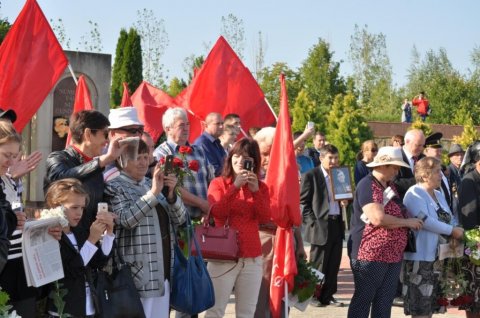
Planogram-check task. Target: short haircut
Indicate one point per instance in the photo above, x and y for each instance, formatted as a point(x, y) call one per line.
point(328, 149)
point(245, 145)
point(265, 135)
point(297, 134)
point(412, 134)
point(319, 133)
point(231, 117)
point(397, 138)
point(171, 115)
point(84, 119)
point(8, 133)
point(424, 168)
point(59, 191)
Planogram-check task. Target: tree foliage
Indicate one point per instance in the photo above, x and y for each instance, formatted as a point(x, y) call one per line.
point(302, 111)
point(117, 80)
point(423, 126)
point(347, 127)
point(233, 30)
point(259, 50)
point(59, 29)
point(191, 64)
point(176, 86)
point(469, 134)
point(4, 28)
point(92, 40)
point(154, 43)
point(131, 69)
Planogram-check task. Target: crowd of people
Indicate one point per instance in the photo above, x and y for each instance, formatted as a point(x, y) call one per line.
point(397, 192)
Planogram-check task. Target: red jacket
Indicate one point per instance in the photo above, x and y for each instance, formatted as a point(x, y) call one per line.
point(422, 105)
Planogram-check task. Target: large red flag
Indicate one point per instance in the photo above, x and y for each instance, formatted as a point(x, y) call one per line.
point(224, 85)
point(284, 189)
point(126, 101)
point(82, 100)
point(31, 62)
point(151, 103)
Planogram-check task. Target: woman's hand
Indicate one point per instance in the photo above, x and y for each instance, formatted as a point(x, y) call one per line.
point(157, 180)
point(241, 179)
point(107, 218)
point(56, 232)
point(457, 233)
point(96, 230)
point(113, 152)
point(252, 181)
point(414, 223)
point(21, 219)
point(171, 182)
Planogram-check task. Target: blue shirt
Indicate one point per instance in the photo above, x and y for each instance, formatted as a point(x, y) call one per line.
point(213, 150)
point(304, 163)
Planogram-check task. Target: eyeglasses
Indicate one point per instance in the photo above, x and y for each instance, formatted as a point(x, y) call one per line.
point(133, 131)
point(183, 125)
point(105, 132)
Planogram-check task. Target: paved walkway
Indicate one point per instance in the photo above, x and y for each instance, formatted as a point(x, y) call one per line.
point(345, 293)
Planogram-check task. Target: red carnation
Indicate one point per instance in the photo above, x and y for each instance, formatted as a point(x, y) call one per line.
point(162, 160)
point(185, 150)
point(193, 165)
point(177, 162)
point(442, 301)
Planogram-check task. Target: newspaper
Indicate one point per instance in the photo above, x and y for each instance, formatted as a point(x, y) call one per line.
point(41, 253)
point(131, 151)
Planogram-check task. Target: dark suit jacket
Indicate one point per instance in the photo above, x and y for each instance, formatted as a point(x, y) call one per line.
point(469, 200)
point(315, 207)
point(405, 178)
point(314, 155)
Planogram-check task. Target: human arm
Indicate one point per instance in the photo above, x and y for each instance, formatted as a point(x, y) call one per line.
point(114, 151)
point(65, 164)
point(377, 217)
point(307, 133)
point(300, 249)
point(220, 195)
point(24, 165)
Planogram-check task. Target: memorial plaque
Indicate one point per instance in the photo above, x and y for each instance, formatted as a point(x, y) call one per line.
point(63, 99)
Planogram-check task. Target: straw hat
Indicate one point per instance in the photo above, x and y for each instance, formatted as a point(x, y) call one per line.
point(388, 156)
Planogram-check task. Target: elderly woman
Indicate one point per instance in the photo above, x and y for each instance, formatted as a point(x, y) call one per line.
point(379, 236)
point(144, 228)
point(423, 201)
point(83, 159)
point(367, 152)
point(239, 197)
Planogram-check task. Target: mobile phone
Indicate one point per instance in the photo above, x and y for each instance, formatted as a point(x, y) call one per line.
point(168, 168)
point(102, 207)
point(310, 124)
point(248, 164)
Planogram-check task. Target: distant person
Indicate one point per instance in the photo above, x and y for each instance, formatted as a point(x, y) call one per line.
point(422, 104)
point(367, 153)
point(228, 137)
point(233, 120)
point(397, 141)
point(319, 141)
point(304, 162)
point(406, 112)
point(253, 130)
point(210, 143)
point(455, 155)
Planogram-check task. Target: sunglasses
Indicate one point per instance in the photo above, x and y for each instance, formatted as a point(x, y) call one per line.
point(132, 131)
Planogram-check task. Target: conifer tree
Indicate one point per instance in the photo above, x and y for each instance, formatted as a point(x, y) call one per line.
point(131, 70)
point(302, 111)
point(469, 134)
point(117, 87)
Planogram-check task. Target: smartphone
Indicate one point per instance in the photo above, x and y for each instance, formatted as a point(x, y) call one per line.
point(168, 168)
point(310, 124)
point(102, 207)
point(248, 164)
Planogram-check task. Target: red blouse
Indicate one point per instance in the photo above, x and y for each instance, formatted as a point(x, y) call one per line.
point(245, 210)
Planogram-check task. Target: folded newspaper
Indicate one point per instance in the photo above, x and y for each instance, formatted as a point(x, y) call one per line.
point(131, 151)
point(41, 252)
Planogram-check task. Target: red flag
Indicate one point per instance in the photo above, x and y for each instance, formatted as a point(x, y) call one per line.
point(151, 103)
point(126, 101)
point(82, 101)
point(224, 85)
point(31, 62)
point(284, 189)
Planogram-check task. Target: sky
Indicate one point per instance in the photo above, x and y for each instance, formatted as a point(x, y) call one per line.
point(291, 28)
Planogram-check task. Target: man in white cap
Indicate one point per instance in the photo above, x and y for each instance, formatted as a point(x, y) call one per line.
point(124, 123)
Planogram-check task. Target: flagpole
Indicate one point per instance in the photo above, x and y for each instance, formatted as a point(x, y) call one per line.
point(271, 109)
point(285, 285)
point(73, 74)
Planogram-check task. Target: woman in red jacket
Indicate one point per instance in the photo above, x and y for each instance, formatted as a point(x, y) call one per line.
point(241, 198)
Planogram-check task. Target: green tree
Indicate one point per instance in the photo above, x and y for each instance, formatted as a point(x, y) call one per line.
point(117, 81)
point(154, 43)
point(270, 84)
point(192, 63)
point(92, 40)
point(302, 111)
point(320, 77)
point(469, 134)
point(59, 29)
point(372, 69)
point(347, 127)
point(176, 86)
point(131, 70)
point(233, 30)
point(423, 126)
point(4, 28)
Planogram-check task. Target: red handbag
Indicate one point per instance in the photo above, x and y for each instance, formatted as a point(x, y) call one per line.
point(216, 243)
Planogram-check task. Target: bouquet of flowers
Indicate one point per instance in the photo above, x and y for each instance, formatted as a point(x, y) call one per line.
point(181, 166)
point(306, 281)
point(54, 213)
point(5, 308)
point(472, 245)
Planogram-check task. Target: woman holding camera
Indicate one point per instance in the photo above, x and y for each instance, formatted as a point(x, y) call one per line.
point(239, 197)
point(423, 201)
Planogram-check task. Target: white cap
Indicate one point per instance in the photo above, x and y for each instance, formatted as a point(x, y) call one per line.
point(123, 117)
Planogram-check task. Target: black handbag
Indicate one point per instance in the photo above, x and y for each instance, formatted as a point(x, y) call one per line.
point(192, 288)
point(411, 242)
point(116, 293)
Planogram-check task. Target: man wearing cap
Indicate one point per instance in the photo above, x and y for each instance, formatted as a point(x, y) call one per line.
point(433, 148)
point(124, 123)
point(455, 155)
point(411, 153)
point(210, 143)
point(322, 220)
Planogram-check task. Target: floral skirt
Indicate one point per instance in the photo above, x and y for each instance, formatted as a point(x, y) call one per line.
point(471, 277)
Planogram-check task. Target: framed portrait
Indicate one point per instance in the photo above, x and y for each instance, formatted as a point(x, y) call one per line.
point(341, 182)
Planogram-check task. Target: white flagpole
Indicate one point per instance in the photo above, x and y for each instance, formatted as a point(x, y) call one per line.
point(73, 74)
point(271, 109)
point(286, 298)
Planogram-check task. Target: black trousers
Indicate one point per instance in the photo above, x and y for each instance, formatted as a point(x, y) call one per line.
point(326, 258)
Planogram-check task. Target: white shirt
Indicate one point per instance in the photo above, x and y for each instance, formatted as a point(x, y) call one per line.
point(411, 162)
